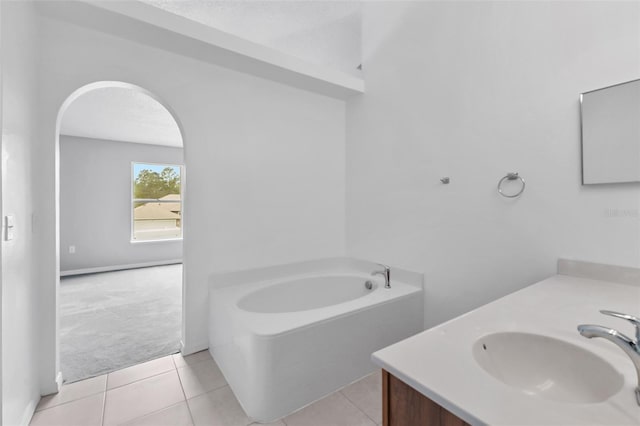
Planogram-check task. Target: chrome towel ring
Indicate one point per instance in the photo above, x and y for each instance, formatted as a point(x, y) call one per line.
point(511, 176)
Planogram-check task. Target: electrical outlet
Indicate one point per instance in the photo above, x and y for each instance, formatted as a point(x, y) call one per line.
point(72, 249)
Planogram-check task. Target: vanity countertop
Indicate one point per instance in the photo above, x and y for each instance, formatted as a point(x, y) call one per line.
point(440, 364)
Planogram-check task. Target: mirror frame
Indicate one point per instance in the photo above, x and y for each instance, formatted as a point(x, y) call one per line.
point(582, 134)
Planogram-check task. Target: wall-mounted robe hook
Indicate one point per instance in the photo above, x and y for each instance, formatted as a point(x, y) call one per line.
point(445, 180)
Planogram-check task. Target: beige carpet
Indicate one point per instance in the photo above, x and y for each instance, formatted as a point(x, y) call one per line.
point(113, 320)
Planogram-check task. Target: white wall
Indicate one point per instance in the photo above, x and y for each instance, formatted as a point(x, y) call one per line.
point(467, 90)
point(20, 344)
point(95, 204)
point(320, 32)
point(265, 180)
point(473, 90)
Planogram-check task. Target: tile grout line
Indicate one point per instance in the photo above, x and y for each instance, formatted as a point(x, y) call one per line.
point(153, 412)
point(104, 400)
point(164, 408)
point(176, 368)
point(104, 404)
point(356, 405)
point(74, 399)
point(226, 384)
point(194, 363)
point(139, 380)
point(69, 402)
point(173, 360)
point(186, 401)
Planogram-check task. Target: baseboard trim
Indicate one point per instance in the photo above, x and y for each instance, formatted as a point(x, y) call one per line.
point(119, 267)
point(188, 350)
point(59, 381)
point(52, 387)
point(29, 410)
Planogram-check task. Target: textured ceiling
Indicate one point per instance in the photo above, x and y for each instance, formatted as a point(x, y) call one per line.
point(121, 114)
point(322, 32)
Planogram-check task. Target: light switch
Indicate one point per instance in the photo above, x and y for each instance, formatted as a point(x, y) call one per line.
point(72, 249)
point(9, 228)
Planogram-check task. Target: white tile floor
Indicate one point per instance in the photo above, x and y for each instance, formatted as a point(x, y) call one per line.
point(191, 391)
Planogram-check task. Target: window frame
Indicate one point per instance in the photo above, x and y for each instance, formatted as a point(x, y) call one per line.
point(133, 200)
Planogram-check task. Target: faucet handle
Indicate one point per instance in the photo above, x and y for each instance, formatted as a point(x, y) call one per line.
point(633, 320)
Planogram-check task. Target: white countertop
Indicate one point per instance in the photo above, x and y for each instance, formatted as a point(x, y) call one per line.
point(439, 362)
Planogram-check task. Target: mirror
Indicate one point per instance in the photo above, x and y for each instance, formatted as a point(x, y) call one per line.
point(611, 134)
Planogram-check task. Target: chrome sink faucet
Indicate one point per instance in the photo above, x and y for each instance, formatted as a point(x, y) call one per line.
point(628, 345)
point(386, 273)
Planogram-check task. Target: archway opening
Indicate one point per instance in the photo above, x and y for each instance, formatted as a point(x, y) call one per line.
point(120, 180)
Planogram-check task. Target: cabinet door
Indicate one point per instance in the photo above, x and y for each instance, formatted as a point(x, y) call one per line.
point(404, 406)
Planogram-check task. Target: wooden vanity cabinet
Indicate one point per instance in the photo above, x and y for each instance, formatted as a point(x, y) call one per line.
point(404, 406)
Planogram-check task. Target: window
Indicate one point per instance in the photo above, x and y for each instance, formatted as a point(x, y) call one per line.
point(156, 202)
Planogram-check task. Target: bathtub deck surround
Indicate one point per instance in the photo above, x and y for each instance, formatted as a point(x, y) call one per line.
point(570, 380)
point(289, 335)
point(307, 268)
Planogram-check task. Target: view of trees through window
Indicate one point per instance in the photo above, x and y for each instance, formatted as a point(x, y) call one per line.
point(157, 205)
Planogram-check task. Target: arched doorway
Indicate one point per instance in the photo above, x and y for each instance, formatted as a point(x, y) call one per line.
point(120, 209)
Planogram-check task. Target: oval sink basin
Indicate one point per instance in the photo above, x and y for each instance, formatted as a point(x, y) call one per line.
point(547, 367)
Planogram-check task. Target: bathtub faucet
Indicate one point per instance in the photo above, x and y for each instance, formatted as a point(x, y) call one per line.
point(386, 273)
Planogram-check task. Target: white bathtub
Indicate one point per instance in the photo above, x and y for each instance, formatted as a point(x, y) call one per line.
point(302, 331)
